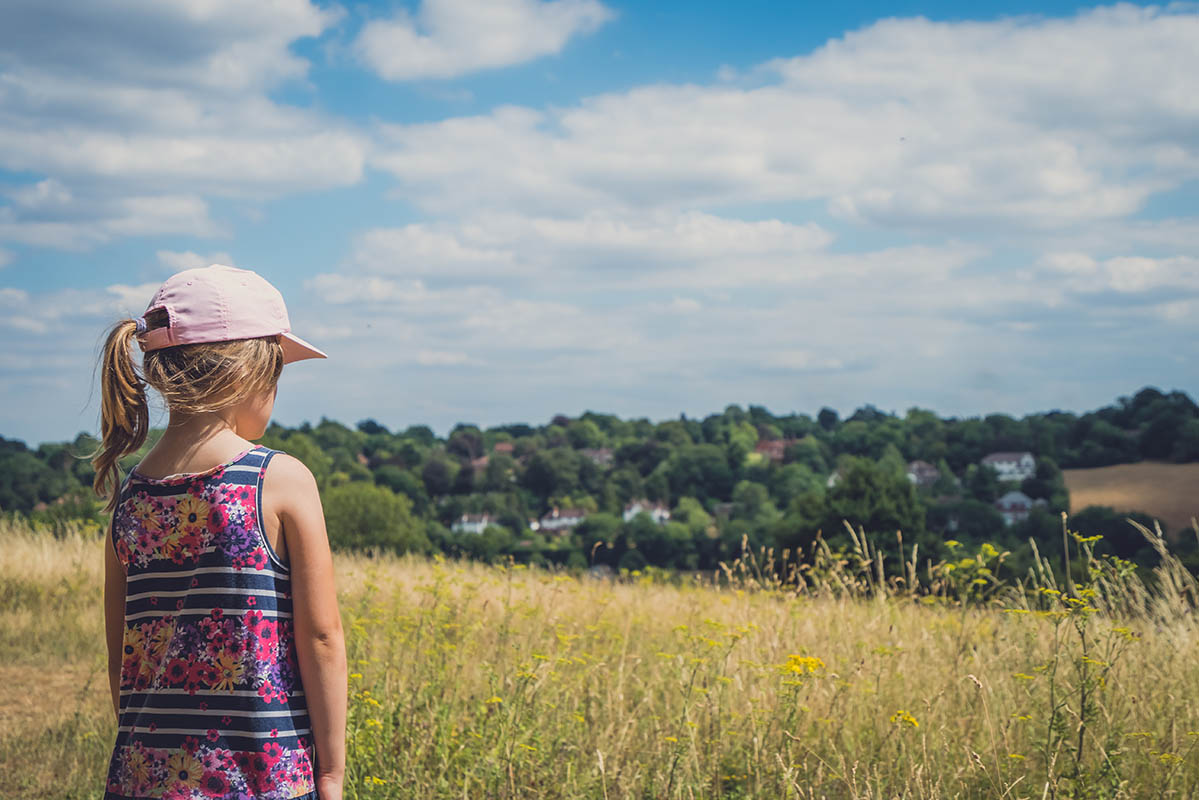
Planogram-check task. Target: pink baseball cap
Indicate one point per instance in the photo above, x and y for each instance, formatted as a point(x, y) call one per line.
point(219, 304)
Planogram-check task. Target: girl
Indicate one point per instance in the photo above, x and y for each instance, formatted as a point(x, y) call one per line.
point(226, 658)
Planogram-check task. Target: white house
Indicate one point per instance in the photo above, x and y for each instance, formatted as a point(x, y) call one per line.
point(923, 474)
point(1012, 466)
point(600, 455)
point(561, 519)
point(471, 523)
point(1014, 507)
point(659, 512)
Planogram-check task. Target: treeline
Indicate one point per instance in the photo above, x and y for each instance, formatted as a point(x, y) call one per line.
point(741, 475)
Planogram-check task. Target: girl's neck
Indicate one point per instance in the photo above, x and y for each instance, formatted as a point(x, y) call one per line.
point(193, 443)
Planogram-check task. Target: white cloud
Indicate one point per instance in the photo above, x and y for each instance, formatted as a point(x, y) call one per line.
point(6, 258)
point(441, 358)
point(179, 261)
point(13, 298)
point(48, 215)
point(220, 44)
point(649, 249)
point(1013, 125)
point(127, 300)
point(803, 361)
point(448, 38)
point(1126, 275)
point(119, 103)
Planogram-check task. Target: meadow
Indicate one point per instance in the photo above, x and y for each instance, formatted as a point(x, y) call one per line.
point(1164, 491)
point(837, 679)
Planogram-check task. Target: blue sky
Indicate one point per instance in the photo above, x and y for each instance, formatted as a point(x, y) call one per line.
point(497, 211)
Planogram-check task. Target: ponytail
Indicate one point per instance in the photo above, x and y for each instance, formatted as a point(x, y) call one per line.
point(124, 414)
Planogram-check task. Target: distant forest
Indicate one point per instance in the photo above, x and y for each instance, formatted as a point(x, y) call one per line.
point(685, 493)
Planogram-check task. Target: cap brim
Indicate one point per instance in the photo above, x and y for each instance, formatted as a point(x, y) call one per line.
point(296, 349)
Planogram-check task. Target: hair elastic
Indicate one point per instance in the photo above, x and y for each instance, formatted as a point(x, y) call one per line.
point(141, 325)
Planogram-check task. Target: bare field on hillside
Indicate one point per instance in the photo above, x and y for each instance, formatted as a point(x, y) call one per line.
point(1169, 492)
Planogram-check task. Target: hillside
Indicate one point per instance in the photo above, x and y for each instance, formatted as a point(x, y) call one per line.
point(1165, 491)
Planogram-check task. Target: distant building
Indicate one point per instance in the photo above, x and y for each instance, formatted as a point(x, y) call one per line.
point(923, 474)
point(600, 455)
point(479, 464)
point(774, 449)
point(561, 519)
point(658, 511)
point(504, 447)
point(1014, 507)
point(1012, 466)
point(472, 523)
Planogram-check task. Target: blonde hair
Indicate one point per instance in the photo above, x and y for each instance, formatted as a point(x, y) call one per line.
point(191, 378)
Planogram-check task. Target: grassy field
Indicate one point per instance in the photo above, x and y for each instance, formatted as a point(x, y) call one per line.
point(478, 682)
point(1168, 492)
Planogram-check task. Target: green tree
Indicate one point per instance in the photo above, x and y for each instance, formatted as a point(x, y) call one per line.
point(362, 515)
point(438, 475)
point(584, 433)
point(808, 452)
point(700, 471)
point(402, 481)
point(552, 471)
point(875, 499)
point(791, 481)
point(303, 447)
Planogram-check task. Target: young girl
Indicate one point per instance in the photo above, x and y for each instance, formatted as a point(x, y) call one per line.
point(226, 658)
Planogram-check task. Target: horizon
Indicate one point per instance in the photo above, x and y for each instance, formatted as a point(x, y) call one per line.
point(505, 209)
point(842, 415)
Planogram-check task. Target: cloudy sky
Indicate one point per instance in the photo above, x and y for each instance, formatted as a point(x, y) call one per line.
point(493, 211)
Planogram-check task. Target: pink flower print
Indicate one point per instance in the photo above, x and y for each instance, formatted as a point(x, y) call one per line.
point(266, 691)
point(191, 744)
point(179, 603)
point(282, 697)
point(274, 732)
point(153, 601)
point(153, 726)
point(217, 613)
point(251, 600)
point(225, 720)
point(203, 706)
point(268, 642)
point(258, 559)
point(214, 759)
point(213, 735)
point(214, 784)
point(253, 621)
point(195, 582)
point(177, 671)
point(273, 752)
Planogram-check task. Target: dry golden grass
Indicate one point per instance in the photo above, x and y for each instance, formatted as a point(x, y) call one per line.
point(472, 681)
point(1168, 492)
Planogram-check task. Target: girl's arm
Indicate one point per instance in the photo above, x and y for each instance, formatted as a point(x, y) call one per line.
point(114, 619)
point(290, 489)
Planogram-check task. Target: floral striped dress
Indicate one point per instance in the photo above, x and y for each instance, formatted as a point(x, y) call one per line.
point(211, 701)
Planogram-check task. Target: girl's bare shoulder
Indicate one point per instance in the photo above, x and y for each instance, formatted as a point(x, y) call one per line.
point(287, 484)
